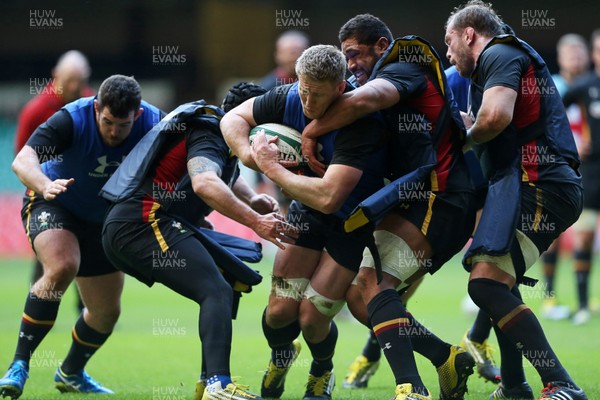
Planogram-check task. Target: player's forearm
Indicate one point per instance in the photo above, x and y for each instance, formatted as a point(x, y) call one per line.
point(486, 127)
point(342, 112)
point(235, 131)
point(27, 168)
point(243, 191)
point(214, 192)
point(494, 115)
point(316, 193)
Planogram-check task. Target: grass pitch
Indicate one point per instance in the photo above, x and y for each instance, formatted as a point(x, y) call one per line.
point(154, 352)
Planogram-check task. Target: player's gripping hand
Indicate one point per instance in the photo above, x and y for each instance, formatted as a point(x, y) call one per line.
point(263, 204)
point(309, 153)
point(265, 152)
point(56, 187)
point(272, 227)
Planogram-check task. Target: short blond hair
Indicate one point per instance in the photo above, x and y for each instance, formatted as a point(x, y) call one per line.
point(322, 63)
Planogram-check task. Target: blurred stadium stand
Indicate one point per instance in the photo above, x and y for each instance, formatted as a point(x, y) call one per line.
point(216, 40)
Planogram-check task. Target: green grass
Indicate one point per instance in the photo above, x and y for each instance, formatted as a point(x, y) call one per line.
point(154, 352)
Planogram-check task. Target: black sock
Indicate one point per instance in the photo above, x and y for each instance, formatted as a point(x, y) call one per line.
point(372, 351)
point(549, 257)
point(426, 343)
point(86, 341)
point(511, 367)
point(322, 352)
point(480, 330)
point(583, 278)
point(280, 341)
point(389, 320)
point(38, 318)
point(519, 325)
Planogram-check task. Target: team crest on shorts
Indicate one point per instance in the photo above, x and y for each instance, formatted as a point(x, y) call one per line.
point(177, 225)
point(43, 219)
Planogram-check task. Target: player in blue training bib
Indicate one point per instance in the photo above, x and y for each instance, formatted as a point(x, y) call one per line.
point(63, 165)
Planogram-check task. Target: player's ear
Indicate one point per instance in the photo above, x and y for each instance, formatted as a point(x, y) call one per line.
point(469, 35)
point(341, 87)
point(137, 114)
point(381, 45)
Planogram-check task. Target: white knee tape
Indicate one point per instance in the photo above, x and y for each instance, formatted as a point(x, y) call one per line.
point(288, 288)
point(397, 258)
point(325, 306)
point(528, 249)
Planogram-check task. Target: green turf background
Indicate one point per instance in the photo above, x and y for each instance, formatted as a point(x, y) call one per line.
point(154, 352)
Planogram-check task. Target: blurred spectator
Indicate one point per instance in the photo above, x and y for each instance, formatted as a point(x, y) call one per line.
point(288, 48)
point(585, 91)
point(573, 61)
point(69, 82)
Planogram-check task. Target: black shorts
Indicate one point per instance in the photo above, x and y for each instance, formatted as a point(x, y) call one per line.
point(39, 215)
point(590, 174)
point(447, 221)
point(325, 232)
point(140, 248)
point(547, 210)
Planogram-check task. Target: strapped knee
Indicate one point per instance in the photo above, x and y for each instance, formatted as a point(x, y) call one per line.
point(324, 305)
point(288, 288)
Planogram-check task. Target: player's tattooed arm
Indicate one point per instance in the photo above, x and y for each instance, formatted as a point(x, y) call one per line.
point(199, 165)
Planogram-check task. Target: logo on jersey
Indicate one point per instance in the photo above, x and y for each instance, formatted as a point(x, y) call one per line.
point(103, 164)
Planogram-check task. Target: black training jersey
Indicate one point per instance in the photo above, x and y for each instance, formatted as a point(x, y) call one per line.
point(167, 185)
point(539, 133)
point(420, 125)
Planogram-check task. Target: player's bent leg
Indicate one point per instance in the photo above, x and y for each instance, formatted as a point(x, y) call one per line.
point(201, 281)
point(58, 251)
point(101, 295)
point(366, 364)
point(291, 271)
point(355, 304)
point(284, 301)
point(324, 298)
point(489, 288)
point(102, 298)
point(387, 314)
point(388, 318)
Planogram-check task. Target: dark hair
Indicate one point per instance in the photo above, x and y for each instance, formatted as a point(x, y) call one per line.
point(240, 93)
point(366, 29)
point(479, 16)
point(507, 29)
point(121, 94)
